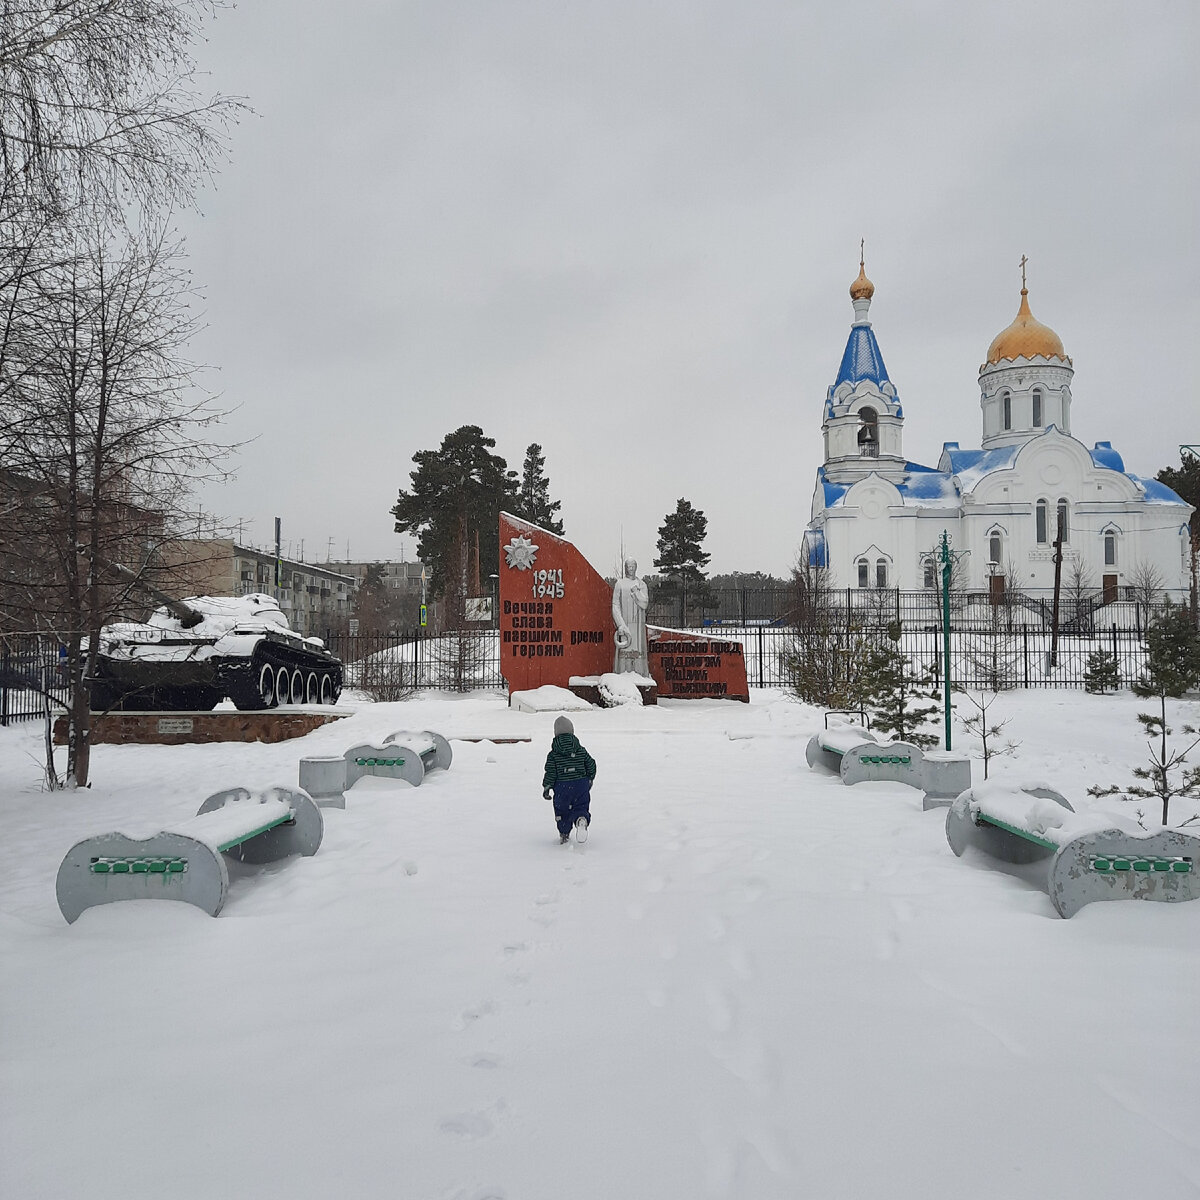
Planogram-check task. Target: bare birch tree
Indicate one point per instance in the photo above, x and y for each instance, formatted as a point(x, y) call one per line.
point(99, 103)
point(107, 439)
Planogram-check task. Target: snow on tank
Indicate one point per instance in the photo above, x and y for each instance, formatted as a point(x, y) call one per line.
point(240, 646)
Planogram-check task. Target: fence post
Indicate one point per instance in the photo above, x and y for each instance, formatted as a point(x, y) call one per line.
point(1025, 651)
point(4, 684)
point(760, 656)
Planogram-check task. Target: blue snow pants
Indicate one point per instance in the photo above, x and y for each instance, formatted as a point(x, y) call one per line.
point(572, 798)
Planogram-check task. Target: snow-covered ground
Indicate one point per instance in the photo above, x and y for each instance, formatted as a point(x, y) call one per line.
point(750, 982)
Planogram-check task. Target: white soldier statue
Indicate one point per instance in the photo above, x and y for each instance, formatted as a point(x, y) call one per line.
point(629, 603)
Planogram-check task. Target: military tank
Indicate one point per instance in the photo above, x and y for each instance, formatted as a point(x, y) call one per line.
point(194, 653)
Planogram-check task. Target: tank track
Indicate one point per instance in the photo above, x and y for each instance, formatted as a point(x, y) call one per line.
point(268, 677)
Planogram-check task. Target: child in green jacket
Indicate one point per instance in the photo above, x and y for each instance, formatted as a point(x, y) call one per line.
point(570, 770)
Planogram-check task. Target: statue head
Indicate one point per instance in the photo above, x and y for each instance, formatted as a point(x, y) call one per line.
point(630, 568)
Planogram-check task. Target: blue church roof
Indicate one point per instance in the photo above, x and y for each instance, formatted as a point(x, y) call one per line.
point(1103, 455)
point(862, 359)
point(1158, 493)
point(921, 486)
point(972, 465)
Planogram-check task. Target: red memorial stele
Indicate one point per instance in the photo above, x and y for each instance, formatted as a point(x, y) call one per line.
point(555, 609)
point(556, 623)
point(691, 666)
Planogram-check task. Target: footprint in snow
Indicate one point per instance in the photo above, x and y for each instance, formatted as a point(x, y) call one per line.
point(470, 1015)
point(466, 1125)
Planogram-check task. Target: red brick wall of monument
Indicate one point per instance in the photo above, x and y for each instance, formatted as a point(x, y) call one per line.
point(694, 666)
point(555, 609)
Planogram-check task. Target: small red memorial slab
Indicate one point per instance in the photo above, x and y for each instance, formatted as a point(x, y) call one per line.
point(694, 666)
point(555, 609)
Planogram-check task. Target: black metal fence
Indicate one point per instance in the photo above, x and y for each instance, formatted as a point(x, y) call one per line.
point(1006, 642)
point(32, 668)
point(390, 667)
point(1009, 643)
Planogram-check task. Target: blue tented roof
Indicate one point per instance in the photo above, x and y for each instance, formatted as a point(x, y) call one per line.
point(862, 359)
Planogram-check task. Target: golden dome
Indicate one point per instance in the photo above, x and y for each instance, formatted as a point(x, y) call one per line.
point(1025, 338)
point(862, 288)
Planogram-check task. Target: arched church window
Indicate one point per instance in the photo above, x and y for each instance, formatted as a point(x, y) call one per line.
point(1040, 522)
point(868, 433)
point(881, 580)
point(1006, 410)
point(1037, 408)
point(1064, 521)
point(995, 549)
point(1110, 549)
point(864, 573)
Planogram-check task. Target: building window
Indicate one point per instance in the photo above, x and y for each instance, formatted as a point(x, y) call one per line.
point(1110, 549)
point(1037, 408)
point(868, 433)
point(1064, 521)
point(1006, 410)
point(930, 573)
point(864, 568)
point(1040, 522)
point(995, 549)
point(881, 573)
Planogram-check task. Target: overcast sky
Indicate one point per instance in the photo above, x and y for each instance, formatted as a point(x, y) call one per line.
point(626, 230)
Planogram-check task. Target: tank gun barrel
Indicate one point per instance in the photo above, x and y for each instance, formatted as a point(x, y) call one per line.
point(187, 616)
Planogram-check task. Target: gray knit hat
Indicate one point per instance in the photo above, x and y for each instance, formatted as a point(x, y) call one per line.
point(563, 725)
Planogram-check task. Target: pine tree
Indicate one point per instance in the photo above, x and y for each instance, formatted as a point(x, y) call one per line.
point(533, 500)
point(902, 701)
point(454, 509)
point(990, 732)
point(1172, 666)
point(1172, 654)
point(680, 556)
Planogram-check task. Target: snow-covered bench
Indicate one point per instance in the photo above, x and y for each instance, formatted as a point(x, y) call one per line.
point(186, 861)
point(1090, 857)
point(404, 755)
point(858, 755)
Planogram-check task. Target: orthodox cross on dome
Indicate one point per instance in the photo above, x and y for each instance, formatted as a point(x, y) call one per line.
point(1024, 260)
point(862, 246)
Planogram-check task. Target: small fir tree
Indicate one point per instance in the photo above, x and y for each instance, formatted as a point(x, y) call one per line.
point(1101, 673)
point(1172, 666)
point(533, 500)
point(903, 702)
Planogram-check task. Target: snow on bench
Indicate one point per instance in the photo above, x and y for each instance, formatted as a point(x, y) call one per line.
point(405, 754)
point(186, 861)
point(859, 755)
point(1090, 856)
point(841, 738)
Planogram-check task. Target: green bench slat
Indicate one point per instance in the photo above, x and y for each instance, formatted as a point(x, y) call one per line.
point(245, 837)
point(1021, 833)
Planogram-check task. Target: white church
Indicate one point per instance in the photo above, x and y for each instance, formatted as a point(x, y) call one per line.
point(877, 518)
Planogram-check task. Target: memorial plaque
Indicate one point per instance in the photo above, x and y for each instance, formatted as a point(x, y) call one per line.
point(555, 609)
point(175, 724)
point(695, 666)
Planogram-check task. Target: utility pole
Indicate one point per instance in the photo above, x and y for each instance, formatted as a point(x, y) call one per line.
point(947, 570)
point(1058, 542)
